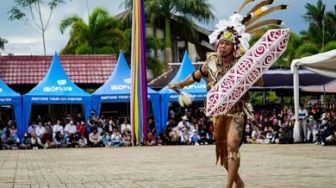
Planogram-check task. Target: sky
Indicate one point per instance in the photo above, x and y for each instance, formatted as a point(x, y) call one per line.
point(23, 40)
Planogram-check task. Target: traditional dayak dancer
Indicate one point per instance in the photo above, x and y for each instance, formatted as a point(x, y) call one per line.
point(230, 41)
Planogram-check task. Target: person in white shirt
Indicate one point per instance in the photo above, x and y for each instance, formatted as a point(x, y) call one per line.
point(40, 130)
point(70, 130)
point(125, 126)
point(303, 115)
point(184, 126)
point(58, 127)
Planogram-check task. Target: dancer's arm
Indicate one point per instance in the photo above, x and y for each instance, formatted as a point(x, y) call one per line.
point(196, 76)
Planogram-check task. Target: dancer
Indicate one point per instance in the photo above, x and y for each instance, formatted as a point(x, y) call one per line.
point(230, 41)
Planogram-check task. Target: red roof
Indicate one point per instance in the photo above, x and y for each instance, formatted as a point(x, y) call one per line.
point(82, 69)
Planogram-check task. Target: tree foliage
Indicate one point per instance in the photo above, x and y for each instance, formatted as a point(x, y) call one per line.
point(30, 12)
point(2, 43)
point(183, 12)
point(101, 35)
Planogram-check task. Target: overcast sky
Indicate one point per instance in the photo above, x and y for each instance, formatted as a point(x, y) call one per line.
point(24, 40)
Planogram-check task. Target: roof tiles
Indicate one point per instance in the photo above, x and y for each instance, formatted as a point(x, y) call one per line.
point(82, 69)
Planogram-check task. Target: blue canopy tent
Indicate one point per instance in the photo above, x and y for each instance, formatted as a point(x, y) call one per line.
point(117, 89)
point(196, 90)
point(55, 88)
point(10, 97)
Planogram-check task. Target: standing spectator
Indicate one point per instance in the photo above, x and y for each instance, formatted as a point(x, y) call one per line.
point(110, 126)
point(125, 126)
point(70, 131)
point(302, 134)
point(81, 129)
point(32, 128)
point(58, 128)
point(312, 129)
point(151, 125)
point(40, 130)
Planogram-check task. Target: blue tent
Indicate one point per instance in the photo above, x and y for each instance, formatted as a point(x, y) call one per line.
point(10, 97)
point(117, 89)
point(196, 90)
point(55, 88)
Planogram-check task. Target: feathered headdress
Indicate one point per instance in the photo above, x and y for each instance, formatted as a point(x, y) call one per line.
point(237, 28)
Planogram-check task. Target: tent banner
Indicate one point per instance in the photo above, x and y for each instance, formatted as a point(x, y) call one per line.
point(5, 99)
point(199, 96)
point(56, 99)
point(196, 86)
point(104, 98)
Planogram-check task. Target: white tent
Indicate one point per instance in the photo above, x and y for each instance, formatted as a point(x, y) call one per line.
point(323, 63)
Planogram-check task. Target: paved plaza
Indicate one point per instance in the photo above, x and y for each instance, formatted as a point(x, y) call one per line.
point(300, 165)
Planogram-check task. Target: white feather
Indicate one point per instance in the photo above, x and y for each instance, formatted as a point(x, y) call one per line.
point(184, 99)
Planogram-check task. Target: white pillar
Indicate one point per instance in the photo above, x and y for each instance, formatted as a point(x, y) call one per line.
point(296, 131)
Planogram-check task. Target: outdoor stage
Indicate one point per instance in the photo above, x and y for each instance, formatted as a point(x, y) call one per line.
point(300, 165)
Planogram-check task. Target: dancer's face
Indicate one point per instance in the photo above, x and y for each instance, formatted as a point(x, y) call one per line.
point(225, 48)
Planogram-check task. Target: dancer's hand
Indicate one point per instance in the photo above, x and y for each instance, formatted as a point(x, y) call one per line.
point(176, 87)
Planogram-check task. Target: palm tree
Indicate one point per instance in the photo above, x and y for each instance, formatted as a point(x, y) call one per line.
point(2, 43)
point(183, 12)
point(102, 34)
point(315, 15)
point(330, 20)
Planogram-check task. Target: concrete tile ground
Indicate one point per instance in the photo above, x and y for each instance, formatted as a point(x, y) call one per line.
point(301, 165)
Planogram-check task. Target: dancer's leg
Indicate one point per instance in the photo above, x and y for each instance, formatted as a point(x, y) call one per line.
point(222, 125)
point(233, 143)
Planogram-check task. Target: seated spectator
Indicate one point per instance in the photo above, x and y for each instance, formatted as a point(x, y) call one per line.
point(127, 139)
point(15, 135)
point(36, 142)
point(59, 140)
point(150, 139)
point(26, 141)
point(95, 138)
point(116, 138)
point(164, 137)
point(82, 142)
point(195, 138)
point(175, 136)
point(326, 133)
point(106, 139)
point(203, 134)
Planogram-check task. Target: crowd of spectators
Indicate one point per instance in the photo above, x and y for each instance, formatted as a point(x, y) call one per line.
point(185, 126)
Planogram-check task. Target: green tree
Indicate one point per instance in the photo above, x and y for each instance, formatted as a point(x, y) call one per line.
point(329, 46)
point(30, 12)
point(306, 49)
point(102, 34)
point(182, 11)
point(2, 43)
point(330, 21)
